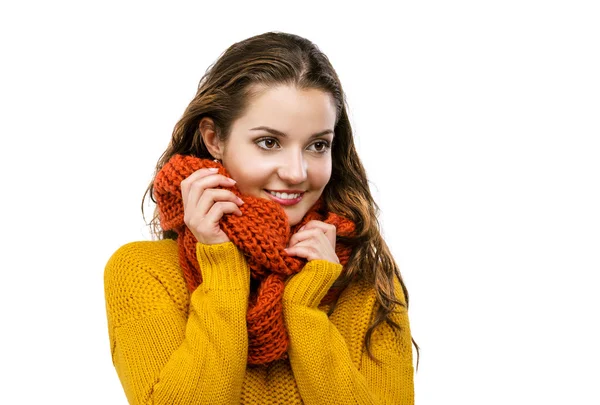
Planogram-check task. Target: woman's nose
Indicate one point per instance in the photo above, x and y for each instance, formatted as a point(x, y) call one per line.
point(293, 169)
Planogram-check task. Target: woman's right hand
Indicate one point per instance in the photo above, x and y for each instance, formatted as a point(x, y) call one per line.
point(204, 205)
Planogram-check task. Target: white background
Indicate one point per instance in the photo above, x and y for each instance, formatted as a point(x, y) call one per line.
point(478, 123)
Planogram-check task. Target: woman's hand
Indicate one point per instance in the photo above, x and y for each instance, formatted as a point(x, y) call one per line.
point(314, 241)
point(204, 205)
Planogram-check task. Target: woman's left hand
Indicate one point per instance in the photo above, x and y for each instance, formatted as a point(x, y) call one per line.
point(314, 241)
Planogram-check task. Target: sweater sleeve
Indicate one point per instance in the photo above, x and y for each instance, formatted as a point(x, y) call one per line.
point(165, 352)
point(320, 357)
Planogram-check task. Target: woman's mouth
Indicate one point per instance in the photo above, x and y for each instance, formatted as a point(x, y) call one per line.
point(285, 198)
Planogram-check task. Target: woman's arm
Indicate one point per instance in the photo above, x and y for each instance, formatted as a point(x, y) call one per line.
point(163, 355)
point(325, 369)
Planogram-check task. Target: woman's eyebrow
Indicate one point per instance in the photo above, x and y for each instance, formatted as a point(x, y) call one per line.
point(282, 134)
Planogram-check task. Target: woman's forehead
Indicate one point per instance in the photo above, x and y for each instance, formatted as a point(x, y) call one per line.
point(289, 111)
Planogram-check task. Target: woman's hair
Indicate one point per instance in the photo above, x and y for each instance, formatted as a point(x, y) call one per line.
point(225, 92)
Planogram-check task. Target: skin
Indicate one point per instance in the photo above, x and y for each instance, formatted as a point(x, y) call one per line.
point(258, 160)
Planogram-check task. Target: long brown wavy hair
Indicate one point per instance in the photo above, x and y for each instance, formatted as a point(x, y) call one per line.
point(273, 59)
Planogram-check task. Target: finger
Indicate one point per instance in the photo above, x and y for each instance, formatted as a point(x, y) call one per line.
point(302, 236)
point(314, 251)
point(328, 229)
point(318, 244)
point(307, 252)
point(196, 188)
point(192, 178)
point(220, 208)
point(213, 195)
point(188, 181)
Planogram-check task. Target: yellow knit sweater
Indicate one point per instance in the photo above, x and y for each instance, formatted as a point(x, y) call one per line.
point(172, 347)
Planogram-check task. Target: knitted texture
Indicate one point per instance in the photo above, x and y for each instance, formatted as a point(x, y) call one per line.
point(261, 233)
point(170, 346)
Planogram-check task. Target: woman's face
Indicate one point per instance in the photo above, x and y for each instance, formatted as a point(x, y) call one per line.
point(283, 144)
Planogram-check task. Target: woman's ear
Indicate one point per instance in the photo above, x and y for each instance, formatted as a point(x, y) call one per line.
point(210, 138)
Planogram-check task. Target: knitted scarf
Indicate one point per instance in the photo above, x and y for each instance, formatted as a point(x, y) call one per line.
point(261, 234)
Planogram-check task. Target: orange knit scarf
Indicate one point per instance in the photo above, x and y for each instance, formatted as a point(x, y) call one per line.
point(261, 233)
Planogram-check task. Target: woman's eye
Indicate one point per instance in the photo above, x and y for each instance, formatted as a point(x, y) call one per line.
point(321, 146)
point(269, 143)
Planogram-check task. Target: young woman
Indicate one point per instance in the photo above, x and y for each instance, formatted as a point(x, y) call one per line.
point(270, 282)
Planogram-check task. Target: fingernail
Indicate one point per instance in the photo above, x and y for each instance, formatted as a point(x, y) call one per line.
point(230, 179)
point(302, 228)
point(240, 200)
point(213, 169)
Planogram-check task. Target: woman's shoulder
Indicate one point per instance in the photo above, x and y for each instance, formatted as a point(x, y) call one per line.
point(147, 273)
point(145, 250)
point(138, 257)
point(144, 255)
point(360, 297)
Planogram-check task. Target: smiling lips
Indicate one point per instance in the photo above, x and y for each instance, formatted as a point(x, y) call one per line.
point(286, 198)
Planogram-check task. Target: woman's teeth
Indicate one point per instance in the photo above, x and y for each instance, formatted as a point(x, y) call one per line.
point(284, 196)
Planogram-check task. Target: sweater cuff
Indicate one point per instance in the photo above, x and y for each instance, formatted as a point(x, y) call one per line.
point(310, 285)
point(223, 267)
